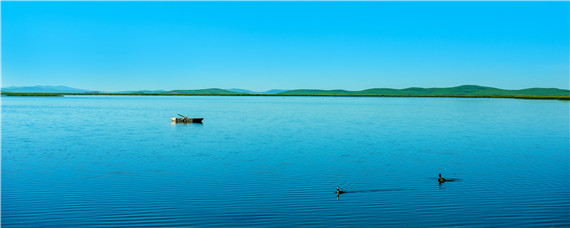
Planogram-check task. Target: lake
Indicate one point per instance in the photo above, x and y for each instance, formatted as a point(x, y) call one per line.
point(118, 161)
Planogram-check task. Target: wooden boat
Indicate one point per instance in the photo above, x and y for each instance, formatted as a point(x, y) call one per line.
point(187, 120)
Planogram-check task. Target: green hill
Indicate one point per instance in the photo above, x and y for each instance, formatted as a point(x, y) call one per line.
point(465, 90)
point(459, 91)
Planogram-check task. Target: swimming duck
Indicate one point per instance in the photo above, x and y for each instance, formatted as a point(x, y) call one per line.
point(338, 191)
point(440, 179)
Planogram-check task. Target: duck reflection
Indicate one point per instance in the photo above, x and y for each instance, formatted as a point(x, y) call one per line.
point(339, 192)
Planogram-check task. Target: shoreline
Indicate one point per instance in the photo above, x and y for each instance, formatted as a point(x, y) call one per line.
point(281, 95)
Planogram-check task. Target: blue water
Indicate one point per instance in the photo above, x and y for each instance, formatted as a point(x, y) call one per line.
point(95, 161)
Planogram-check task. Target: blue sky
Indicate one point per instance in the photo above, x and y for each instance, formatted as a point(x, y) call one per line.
point(114, 46)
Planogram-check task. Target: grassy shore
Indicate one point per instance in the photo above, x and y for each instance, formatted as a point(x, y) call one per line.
point(284, 95)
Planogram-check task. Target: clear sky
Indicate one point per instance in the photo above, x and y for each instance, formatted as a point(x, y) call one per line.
point(115, 46)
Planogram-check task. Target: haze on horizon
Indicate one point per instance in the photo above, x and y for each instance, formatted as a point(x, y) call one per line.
point(118, 46)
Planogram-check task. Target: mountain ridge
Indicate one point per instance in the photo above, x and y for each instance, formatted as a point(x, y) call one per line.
point(44, 89)
point(464, 90)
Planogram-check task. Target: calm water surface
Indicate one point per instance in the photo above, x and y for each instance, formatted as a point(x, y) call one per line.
point(81, 161)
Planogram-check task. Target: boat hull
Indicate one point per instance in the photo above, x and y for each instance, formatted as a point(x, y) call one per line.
point(187, 120)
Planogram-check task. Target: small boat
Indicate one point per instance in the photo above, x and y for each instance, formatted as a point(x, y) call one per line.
point(185, 119)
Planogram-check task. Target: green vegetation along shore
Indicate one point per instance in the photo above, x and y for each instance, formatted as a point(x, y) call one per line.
point(467, 91)
point(33, 94)
point(282, 95)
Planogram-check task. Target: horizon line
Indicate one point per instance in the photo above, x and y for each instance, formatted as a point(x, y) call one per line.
point(234, 88)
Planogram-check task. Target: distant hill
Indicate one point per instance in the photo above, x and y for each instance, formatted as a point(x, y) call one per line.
point(144, 91)
point(273, 91)
point(318, 92)
point(44, 89)
point(467, 90)
point(240, 90)
point(203, 91)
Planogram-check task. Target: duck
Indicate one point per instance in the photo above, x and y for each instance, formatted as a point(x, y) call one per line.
point(440, 179)
point(338, 191)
